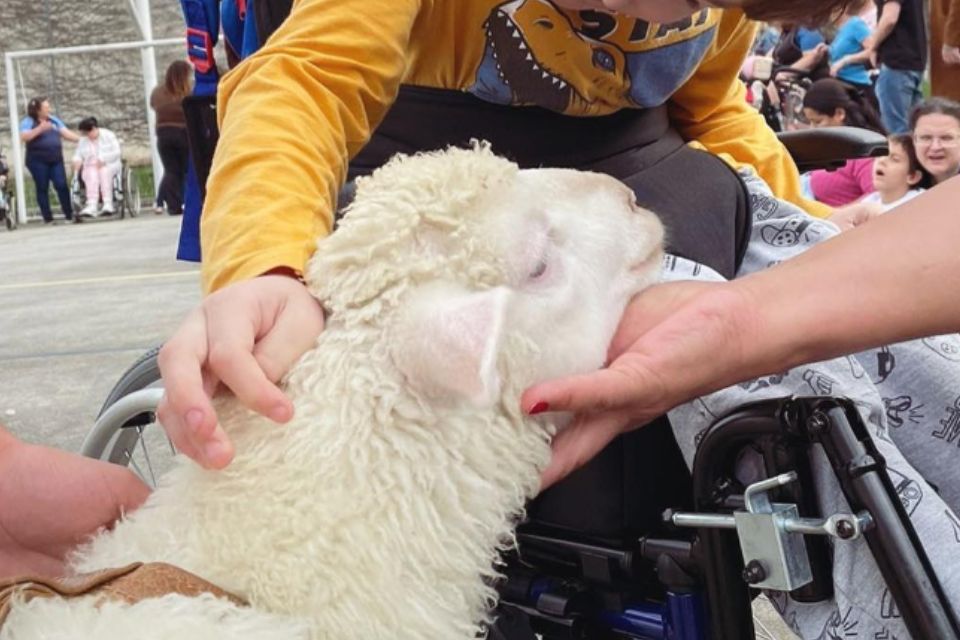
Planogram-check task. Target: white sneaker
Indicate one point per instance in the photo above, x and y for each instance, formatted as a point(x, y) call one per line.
point(107, 209)
point(89, 211)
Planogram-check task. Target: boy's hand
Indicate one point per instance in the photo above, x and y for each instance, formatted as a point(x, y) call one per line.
point(245, 336)
point(52, 500)
point(673, 338)
point(855, 215)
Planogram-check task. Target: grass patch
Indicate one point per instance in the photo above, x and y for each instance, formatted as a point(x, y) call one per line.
point(142, 174)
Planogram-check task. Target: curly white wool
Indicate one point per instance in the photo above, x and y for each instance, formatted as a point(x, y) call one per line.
point(379, 511)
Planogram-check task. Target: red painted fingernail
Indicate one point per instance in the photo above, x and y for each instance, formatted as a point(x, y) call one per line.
point(540, 407)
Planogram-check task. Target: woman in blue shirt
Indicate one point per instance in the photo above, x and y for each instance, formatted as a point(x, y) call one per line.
point(848, 57)
point(42, 133)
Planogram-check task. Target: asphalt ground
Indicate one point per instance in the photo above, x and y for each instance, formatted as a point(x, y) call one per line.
point(78, 304)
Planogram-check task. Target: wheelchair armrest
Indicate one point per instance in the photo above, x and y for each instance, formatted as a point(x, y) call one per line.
point(830, 148)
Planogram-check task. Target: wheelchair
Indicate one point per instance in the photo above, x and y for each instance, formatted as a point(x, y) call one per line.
point(8, 198)
point(126, 192)
point(663, 552)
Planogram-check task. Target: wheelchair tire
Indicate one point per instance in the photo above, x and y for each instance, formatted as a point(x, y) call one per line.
point(123, 441)
point(131, 194)
point(10, 217)
point(77, 197)
point(141, 374)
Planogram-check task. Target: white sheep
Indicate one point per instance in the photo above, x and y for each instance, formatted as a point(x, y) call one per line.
point(454, 282)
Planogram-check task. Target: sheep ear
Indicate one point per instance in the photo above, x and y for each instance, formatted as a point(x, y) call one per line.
point(449, 341)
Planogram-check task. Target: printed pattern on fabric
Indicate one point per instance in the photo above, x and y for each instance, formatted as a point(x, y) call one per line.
point(909, 396)
point(586, 62)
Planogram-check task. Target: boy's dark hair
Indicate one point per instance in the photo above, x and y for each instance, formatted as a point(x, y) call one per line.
point(829, 94)
point(905, 140)
point(88, 124)
point(809, 13)
point(934, 105)
point(33, 107)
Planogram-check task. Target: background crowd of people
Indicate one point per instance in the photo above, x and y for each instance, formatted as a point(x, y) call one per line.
point(867, 70)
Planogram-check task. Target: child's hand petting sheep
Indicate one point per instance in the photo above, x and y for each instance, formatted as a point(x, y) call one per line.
point(245, 337)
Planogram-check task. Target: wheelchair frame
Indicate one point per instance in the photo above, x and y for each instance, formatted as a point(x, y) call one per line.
point(698, 573)
point(126, 191)
point(8, 203)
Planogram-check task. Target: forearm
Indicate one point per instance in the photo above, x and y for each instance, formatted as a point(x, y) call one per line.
point(885, 25)
point(808, 60)
point(951, 29)
point(886, 281)
point(881, 33)
point(111, 156)
point(860, 57)
point(7, 443)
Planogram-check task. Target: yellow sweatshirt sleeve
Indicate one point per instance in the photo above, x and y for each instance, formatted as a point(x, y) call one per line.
point(291, 116)
point(711, 109)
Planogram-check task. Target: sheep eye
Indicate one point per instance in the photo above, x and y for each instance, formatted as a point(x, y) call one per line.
point(539, 270)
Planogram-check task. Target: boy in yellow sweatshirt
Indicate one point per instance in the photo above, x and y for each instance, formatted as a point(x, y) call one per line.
point(606, 76)
point(298, 109)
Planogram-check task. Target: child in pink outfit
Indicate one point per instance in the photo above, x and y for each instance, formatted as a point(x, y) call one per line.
point(98, 158)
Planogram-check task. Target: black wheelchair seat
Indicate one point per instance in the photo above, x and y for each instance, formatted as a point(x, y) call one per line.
point(623, 491)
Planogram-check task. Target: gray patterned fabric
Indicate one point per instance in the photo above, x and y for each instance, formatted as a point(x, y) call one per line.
point(908, 393)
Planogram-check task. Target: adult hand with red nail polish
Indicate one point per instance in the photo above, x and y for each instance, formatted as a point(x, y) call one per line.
point(244, 337)
point(668, 345)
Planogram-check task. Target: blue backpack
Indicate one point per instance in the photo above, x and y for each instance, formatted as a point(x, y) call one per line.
point(245, 25)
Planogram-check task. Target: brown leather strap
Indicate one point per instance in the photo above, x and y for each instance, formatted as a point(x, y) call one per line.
point(130, 584)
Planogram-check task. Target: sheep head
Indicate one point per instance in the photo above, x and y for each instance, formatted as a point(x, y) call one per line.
point(450, 253)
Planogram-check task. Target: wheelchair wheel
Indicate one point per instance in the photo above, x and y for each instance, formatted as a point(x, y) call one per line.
point(131, 193)
point(77, 196)
point(126, 431)
point(10, 216)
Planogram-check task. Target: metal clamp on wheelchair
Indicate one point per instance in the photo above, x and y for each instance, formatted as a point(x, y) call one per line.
point(765, 535)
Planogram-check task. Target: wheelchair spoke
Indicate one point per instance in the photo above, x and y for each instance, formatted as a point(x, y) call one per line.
point(133, 465)
point(146, 455)
point(762, 632)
